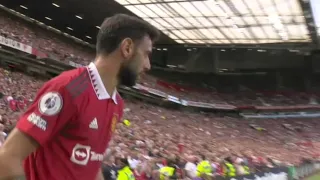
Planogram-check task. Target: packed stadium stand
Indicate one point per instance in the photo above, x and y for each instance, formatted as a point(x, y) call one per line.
point(44, 41)
point(157, 131)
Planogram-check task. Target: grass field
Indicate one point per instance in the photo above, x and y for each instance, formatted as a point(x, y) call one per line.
point(314, 177)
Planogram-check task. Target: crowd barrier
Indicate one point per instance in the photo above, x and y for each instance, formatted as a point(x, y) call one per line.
point(279, 173)
point(282, 115)
point(303, 171)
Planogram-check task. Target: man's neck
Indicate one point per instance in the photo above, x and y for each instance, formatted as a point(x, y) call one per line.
point(108, 71)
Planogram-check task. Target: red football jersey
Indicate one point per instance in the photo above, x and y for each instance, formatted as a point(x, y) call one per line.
point(72, 118)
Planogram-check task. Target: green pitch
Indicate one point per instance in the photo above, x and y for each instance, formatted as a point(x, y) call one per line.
point(314, 177)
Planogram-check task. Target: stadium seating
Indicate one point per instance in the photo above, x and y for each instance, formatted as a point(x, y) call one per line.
point(60, 48)
point(163, 130)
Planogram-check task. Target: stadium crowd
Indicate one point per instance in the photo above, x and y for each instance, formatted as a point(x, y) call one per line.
point(235, 93)
point(157, 136)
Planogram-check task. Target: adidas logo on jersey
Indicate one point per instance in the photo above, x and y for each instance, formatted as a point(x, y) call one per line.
point(93, 124)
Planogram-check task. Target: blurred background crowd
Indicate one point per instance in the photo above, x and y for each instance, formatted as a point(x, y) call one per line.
point(158, 136)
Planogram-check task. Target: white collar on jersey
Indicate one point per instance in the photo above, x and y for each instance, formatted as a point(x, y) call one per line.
point(98, 85)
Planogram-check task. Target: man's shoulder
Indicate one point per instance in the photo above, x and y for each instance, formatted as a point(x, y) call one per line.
point(74, 81)
point(68, 76)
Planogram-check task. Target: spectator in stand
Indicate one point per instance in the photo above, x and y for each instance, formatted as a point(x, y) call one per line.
point(191, 167)
point(140, 173)
point(229, 168)
point(204, 167)
point(216, 167)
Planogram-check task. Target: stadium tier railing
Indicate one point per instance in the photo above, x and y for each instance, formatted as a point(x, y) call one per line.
point(299, 172)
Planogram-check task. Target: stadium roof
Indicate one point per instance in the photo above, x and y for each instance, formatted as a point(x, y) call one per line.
point(224, 22)
point(189, 22)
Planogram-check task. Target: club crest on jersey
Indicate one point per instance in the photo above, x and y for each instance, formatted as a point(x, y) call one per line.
point(50, 103)
point(114, 122)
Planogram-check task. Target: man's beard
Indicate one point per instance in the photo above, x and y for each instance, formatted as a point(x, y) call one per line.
point(127, 76)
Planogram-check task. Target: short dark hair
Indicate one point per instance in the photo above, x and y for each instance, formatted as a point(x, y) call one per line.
point(120, 26)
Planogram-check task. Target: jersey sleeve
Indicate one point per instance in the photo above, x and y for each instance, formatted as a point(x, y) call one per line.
point(52, 108)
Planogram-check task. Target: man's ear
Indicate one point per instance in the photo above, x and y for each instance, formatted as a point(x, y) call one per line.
point(127, 48)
